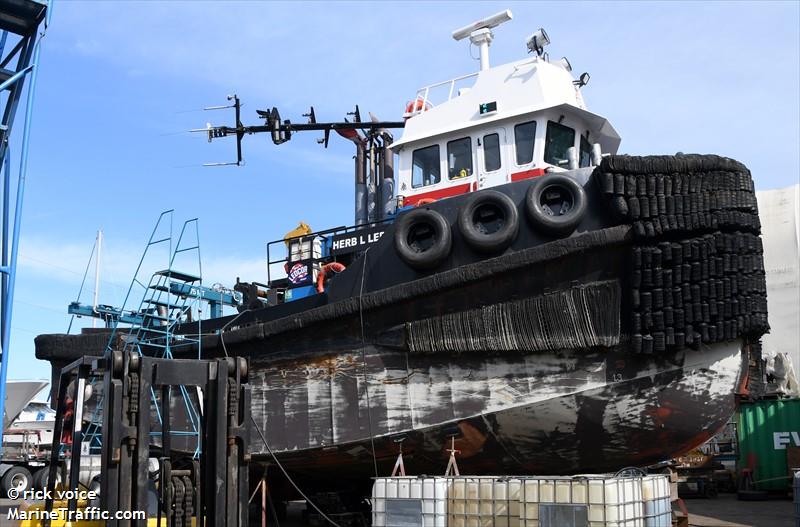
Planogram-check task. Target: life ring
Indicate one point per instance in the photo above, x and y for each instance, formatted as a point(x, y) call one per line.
point(425, 201)
point(555, 204)
point(489, 221)
point(422, 238)
point(327, 269)
point(417, 105)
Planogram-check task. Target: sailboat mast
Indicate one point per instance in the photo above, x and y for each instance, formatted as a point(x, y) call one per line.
point(99, 244)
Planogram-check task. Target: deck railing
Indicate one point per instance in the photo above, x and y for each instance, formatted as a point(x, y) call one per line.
point(424, 94)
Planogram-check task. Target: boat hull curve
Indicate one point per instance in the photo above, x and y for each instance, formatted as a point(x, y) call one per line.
point(552, 413)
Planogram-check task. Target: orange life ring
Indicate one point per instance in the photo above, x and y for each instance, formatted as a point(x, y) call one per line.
point(415, 106)
point(333, 267)
point(425, 201)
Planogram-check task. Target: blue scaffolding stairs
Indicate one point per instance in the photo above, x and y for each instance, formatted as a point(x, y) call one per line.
point(169, 298)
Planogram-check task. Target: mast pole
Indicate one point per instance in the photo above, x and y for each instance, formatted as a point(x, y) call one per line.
point(99, 243)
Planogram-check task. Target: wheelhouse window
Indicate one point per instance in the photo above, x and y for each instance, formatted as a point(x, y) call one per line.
point(459, 158)
point(426, 169)
point(524, 135)
point(559, 139)
point(585, 156)
point(491, 152)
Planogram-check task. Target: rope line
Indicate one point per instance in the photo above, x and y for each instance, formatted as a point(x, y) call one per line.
point(83, 282)
point(222, 331)
point(364, 362)
point(286, 474)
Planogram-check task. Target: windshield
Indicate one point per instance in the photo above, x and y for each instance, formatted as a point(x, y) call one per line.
point(426, 168)
point(524, 136)
point(459, 158)
point(559, 139)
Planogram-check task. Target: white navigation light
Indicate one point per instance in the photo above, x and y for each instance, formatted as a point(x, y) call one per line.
point(565, 63)
point(538, 41)
point(488, 22)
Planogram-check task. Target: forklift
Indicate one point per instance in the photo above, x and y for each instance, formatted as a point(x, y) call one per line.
point(140, 468)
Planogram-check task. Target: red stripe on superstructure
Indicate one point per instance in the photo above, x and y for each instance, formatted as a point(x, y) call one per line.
point(464, 188)
point(439, 193)
point(535, 172)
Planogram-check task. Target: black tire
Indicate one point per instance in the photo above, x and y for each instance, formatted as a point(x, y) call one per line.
point(489, 221)
point(544, 195)
point(40, 478)
point(94, 486)
point(422, 238)
point(16, 477)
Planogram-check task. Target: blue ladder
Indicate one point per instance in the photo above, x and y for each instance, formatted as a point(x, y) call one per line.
point(168, 300)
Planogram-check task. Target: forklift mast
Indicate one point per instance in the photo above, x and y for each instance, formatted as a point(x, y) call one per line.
point(210, 488)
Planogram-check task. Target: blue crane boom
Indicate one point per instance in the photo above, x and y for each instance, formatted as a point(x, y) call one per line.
point(215, 298)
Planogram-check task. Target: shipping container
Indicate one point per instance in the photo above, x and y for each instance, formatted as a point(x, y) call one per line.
point(767, 430)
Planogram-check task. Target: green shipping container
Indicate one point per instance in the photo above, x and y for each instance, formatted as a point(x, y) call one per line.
point(766, 430)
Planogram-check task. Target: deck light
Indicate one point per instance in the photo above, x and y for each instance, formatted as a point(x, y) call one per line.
point(538, 41)
point(583, 80)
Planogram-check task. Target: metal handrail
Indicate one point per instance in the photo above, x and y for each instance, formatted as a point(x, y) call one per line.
point(311, 236)
point(160, 337)
point(150, 243)
point(423, 93)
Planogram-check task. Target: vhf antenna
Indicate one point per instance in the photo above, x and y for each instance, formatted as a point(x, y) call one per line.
point(214, 132)
point(281, 131)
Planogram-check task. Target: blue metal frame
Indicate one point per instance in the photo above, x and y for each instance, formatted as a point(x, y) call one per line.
point(167, 299)
point(22, 19)
point(112, 316)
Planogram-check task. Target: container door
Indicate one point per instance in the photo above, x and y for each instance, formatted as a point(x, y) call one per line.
point(492, 168)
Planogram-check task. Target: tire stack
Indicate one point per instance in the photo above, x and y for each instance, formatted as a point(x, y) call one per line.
point(697, 267)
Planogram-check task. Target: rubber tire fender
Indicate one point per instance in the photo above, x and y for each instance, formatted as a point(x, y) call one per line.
point(443, 238)
point(496, 241)
point(555, 225)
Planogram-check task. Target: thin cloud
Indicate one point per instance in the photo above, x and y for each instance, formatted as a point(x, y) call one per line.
point(66, 261)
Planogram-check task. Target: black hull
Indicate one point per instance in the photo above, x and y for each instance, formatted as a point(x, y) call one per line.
point(571, 412)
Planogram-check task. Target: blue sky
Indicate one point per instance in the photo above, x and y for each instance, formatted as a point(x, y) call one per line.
point(121, 82)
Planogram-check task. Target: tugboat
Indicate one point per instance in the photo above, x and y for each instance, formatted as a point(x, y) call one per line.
point(514, 288)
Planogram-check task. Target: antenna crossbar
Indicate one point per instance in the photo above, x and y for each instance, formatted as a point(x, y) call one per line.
point(282, 130)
